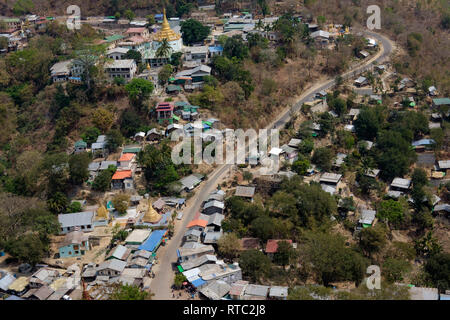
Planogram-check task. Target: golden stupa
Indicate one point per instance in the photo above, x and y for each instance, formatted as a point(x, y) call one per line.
point(151, 216)
point(166, 32)
point(102, 213)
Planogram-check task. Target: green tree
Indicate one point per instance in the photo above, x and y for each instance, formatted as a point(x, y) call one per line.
point(391, 212)
point(90, 134)
point(254, 264)
point(165, 73)
point(301, 166)
point(368, 123)
point(135, 55)
point(114, 140)
point(74, 207)
point(78, 167)
point(235, 48)
point(285, 253)
point(22, 7)
point(330, 260)
point(322, 157)
point(229, 245)
point(102, 181)
point(150, 20)
point(193, 31)
point(58, 202)
point(437, 268)
point(129, 15)
point(28, 248)
point(128, 292)
point(179, 279)
point(121, 202)
point(372, 239)
point(164, 49)
point(394, 269)
point(175, 60)
point(139, 90)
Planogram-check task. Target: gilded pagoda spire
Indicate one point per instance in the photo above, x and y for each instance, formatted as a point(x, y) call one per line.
point(166, 32)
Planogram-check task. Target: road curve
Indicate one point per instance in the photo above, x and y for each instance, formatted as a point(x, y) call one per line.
point(163, 280)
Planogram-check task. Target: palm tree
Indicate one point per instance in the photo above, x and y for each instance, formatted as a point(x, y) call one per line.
point(164, 49)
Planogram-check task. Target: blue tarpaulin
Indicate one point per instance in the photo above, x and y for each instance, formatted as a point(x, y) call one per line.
point(153, 240)
point(198, 282)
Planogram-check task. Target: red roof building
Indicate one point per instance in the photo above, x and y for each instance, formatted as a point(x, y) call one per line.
point(272, 245)
point(127, 157)
point(120, 175)
point(197, 223)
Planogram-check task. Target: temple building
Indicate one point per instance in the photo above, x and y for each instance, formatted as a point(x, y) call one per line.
point(151, 216)
point(173, 38)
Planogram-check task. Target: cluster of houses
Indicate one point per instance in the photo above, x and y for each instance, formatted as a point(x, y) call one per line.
point(17, 31)
point(205, 273)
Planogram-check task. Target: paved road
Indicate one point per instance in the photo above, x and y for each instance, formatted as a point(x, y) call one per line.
point(163, 280)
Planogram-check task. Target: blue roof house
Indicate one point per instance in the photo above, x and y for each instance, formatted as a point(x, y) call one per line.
point(153, 241)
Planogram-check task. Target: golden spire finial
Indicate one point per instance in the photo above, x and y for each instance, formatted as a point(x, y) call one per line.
point(148, 66)
point(151, 216)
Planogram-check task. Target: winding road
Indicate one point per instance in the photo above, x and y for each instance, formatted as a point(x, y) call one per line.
point(164, 273)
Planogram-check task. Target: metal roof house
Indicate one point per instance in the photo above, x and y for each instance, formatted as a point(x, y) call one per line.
point(278, 293)
point(82, 221)
point(367, 218)
point(112, 268)
point(257, 290)
point(245, 192)
point(400, 183)
point(213, 206)
point(361, 81)
point(120, 253)
point(330, 178)
point(215, 289)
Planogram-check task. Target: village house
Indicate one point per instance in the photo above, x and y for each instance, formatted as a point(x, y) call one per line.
point(80, 146)
point(400, 184)
point(197, 224)
point(185, 254)
point(75, 244)
point(122, 180)
point(193, 78)
point(245, 192)
point(195, 263)
point(125, 68)
point(256, 292)
point(126, 160)
point(198, 54)
point(321, 37)
point(192, 235)
point(80, 221)
point(111, 268)
point(164, 112)
point(120, 253)
point(237, 290)
point(213, 206)
point(215, 290)
point(43, 277)
point(153, 241)
point(190, 182)
point(278, 293)
point(137, 237)
point(272, 247)
point(367, 219)
point(139, 32)
point(361, 82)
point(215, 51)
point(154, 135)
point(60, 71)
point(117, 53)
